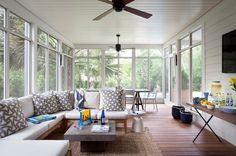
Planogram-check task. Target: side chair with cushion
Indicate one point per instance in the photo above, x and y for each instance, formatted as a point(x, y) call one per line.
point(129, 96)
point(150, 98)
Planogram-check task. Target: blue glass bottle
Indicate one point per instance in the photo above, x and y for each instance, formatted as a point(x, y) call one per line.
point(103, 117)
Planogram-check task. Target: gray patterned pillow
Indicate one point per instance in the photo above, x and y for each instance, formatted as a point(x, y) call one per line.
point(64, 100)
point(45, 103)
point(11, 117)
point(112, 100)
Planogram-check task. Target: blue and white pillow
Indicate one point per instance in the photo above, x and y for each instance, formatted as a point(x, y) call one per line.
point(79, 99)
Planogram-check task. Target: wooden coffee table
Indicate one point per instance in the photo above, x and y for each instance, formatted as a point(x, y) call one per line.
point(89, 141)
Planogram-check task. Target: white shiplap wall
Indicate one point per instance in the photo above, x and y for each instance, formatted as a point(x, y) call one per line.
point(219, 21)
point(215, 23)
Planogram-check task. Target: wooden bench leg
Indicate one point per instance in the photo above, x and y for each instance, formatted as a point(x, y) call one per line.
point(69, 152)
point(125, 125)
point(124, 122)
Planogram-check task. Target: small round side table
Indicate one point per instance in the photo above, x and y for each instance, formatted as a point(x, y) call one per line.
point(137, 124)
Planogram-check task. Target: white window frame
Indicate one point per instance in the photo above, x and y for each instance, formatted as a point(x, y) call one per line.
point(190, 48)
point(48, 49)
point(27, 53)
point(133, 58)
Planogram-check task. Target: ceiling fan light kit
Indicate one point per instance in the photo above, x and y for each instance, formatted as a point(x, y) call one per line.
point(119, 5)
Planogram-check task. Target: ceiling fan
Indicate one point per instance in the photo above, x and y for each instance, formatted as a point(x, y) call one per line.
point(118, 45)
point(118, 6)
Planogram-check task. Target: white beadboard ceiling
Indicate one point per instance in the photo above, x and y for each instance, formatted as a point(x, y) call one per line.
point(73, 19)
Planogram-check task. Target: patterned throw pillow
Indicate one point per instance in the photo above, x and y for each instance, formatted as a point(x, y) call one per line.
point(11, 117)
point(45, 103)
point(112, 100)
point(79, 99)
point(64, 101)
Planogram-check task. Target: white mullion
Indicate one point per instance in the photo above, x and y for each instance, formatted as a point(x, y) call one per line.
point(190, 70)
point(73, 70)
point(169, 72)
point(19, 35)
point(28, 60)
point(47, 64)
point(65, 66)
point(148, 74)
point(66, 55)
point(88, 69)
point(6, 65)
point(56, 62)
point(203, 58)
point(46, 51)
point(26, 67)
point(133, 69)
point(6, 58)
point(103, 69)
point(178, 74)
point(34, 53)
point(163, 75)
point(59, 66)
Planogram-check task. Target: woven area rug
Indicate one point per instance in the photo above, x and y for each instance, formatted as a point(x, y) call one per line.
point(129, 144)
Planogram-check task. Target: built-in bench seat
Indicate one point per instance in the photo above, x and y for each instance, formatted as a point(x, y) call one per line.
point(24, 141)
point(34, 148)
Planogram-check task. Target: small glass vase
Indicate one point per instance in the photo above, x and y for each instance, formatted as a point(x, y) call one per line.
point(234, 98)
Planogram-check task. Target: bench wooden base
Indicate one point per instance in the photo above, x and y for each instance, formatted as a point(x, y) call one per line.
point(57, 126)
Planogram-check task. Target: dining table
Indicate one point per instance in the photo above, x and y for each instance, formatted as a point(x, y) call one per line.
point(137, 99)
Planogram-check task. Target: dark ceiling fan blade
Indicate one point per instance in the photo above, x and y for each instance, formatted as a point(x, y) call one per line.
point(127, 1)
point(122, 50)
point(112, 47)
point(103, 14)
point(137, 12)
point(106, 1)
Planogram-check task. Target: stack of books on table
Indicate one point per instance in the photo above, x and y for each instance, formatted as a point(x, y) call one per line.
point(100, 128)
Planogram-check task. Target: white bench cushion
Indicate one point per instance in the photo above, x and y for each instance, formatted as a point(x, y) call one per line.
point(34, 148)
point(32, 132)
point(59, 115)
point(114, 114)
point(75, 114)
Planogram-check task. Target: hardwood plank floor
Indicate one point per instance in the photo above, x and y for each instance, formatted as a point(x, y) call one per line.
point(175, 138)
